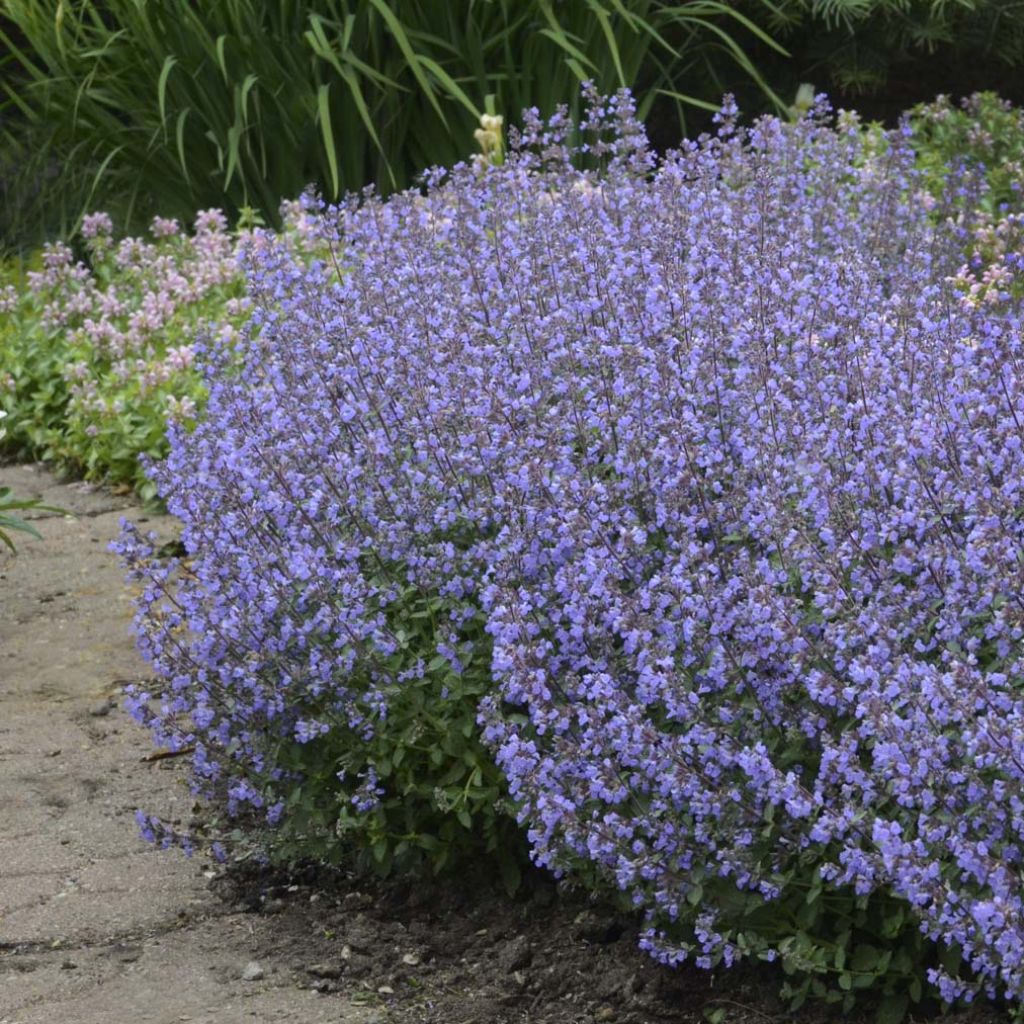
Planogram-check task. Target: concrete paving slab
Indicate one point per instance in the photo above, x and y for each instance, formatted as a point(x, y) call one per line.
point(96, 927)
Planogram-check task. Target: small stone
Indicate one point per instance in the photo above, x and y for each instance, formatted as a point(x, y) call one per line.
point(346, 952)
point(516, 955)
point(519, 978)
point(69, 965)
point(605, 1013)
point(252, 972)
point(355, 901)
point(601, 929)
point(100, 709)
point(385, 990)
point(127, 954)
point(274, 906)
point(324, 970)
point(411, 959)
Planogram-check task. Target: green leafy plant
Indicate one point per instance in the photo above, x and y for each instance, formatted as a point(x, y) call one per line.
point(9, 505)
point(97, 353)
point(131, 103)
point(11, 522)
point(982, 133)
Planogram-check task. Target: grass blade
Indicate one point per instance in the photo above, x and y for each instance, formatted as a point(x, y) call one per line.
point(323, 99)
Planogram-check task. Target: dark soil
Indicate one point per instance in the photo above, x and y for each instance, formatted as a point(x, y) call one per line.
point(464, 952)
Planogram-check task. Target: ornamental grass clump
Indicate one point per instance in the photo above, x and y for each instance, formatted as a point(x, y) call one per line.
point(689, 488)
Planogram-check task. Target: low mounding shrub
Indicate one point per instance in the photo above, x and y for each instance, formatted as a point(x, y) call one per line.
point(697, 480)
point(982, 133)
point(96, 355)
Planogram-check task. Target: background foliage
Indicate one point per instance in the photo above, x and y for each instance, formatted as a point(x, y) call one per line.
point(147, 106)
point(96, 353)
point(982, 134)
point(127, 103)
point(883, 56)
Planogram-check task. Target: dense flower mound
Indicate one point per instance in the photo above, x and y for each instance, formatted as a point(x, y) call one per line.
point(728, 460)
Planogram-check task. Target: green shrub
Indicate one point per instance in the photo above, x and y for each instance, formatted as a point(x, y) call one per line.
point(9, 522)
point(983, 133)
point(180, 105)
point(96, 357)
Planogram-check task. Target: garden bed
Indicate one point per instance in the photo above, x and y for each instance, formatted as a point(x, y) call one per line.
point(465, 953)
point(656, 516)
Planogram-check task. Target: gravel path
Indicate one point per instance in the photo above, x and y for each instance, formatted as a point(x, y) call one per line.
point(95, 926)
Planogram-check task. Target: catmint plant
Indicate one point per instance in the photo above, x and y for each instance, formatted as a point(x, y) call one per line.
point(714, 462)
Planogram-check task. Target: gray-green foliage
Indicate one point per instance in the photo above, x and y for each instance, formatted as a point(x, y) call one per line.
point(236, 103)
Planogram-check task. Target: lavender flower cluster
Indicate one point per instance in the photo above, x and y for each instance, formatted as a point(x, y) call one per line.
point(728, 454)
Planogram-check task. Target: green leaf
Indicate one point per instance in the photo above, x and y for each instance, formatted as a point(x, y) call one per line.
point(454, 89)
point(169, 61)
point(411, 57)
point(323, 102)
point(179, 135)
point(428, 842)
point(511, 876)
point(892, 1009)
